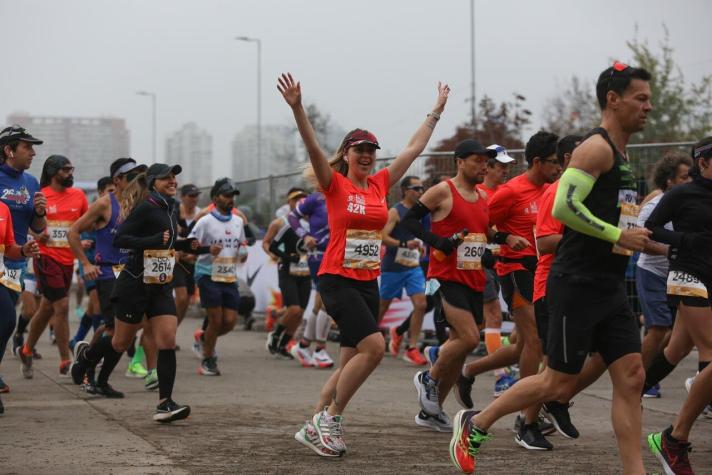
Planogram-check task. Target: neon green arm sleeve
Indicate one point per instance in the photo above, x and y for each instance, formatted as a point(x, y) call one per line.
point(574, 186)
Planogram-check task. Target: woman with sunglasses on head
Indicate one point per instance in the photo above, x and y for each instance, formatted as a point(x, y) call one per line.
point(689, 288)
point(357, 211)
point(149, 231)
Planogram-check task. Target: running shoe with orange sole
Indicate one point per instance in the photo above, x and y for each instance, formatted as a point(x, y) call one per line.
point(414, 357)
point(395, 342)
point(466, 441)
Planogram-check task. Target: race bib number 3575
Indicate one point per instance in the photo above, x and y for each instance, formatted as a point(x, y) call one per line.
point(57, 231)
point(362, 249)
point(158, 265)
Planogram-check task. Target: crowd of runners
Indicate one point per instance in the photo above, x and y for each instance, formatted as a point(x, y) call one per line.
point(553, 244)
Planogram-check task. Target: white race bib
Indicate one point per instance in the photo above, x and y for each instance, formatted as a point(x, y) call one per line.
point(470, 251)
point(628, 218)
point(686, 285)
point(57, 231)
point(224, 269)
point(407, 257)
point(158, 265)
point(301, 268)
point(362, 249)
point(11, 279)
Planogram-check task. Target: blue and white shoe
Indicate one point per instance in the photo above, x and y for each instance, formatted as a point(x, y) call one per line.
point(431, 354)
point(653, 392)
point(502, 384)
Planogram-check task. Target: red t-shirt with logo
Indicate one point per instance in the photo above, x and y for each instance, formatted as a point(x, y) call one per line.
point(546, 225)
point(354, 212)
point(63, 209)
point(513, 209)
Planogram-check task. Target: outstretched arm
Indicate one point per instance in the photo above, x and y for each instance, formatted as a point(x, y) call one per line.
point(420, 139)
point(292, 92)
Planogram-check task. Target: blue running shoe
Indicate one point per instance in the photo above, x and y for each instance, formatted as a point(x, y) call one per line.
point(431, 354)
point(502, 384)
point(653, 392)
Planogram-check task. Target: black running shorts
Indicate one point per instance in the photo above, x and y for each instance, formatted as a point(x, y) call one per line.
point(184, 276)
point(104, 288)
point(132, 299)
point(541, 314)
point(218, 294)
point(588, 314)
point(353, 304)
point(463, 297)
point(295, 290)
point(517, 285)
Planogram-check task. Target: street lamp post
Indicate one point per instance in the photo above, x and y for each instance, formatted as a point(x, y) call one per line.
point(259, 98)
point(152, 95)
point(473, 98)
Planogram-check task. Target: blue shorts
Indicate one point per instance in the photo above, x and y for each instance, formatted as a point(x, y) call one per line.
point(393, 283)
point(652, 294)
point(218, 294)
point(314, 270)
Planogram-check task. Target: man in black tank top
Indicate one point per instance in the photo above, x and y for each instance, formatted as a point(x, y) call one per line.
point(586, 289)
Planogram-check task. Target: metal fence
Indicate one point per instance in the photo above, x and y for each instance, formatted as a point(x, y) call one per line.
point(261, 197)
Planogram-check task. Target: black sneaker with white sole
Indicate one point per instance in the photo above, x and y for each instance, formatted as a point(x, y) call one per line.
point(558, 414)
point(545, 427)
point(531, 438)
point(169, 411)
point(106, 391)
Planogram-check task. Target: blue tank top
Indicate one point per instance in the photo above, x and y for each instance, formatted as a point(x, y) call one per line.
point(399, 232)
point(107, 255)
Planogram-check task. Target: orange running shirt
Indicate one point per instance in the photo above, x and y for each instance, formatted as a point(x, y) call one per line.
point(7, 235)
point(63, 208)
point(546, 225)
point(356, 217)
point(513, 209)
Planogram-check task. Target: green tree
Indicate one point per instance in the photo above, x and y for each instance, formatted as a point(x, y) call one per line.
point(501, 123)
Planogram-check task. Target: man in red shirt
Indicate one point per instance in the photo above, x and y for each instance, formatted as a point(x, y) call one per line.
point(55, 264)
point(497, 173)
point(513, 210)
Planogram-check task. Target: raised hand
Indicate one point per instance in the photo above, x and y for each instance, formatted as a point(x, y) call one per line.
point(443, 93)
point(290, 90)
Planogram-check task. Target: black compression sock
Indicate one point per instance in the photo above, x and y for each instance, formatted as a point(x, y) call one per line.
point(132, 348)
point(166, 373)
point(99, 350)
point(22, 323)
point(702, 365)
point(658, 370)
point(284, 340)
point(85, 322)
point(403, 327)
point(278, 330)
point(205, 323)
point(111, 359)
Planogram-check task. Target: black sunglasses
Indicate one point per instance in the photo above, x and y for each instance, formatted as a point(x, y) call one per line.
point(67, 169)
point(618, 67)
point(552, 160)
point(416, 188)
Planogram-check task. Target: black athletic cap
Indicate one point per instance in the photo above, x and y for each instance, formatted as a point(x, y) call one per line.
point(224, 186)
point(161, 170)
point(703, 148)
point(472, 147)
point(189, 189)
point(15, 133)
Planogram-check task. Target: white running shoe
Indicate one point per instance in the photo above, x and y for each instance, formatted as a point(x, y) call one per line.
point(427, 393)
point(330, 431)
point(321, 359)
point(302, 355)
point(308, 436)
point(707, 411)
point(439, 423)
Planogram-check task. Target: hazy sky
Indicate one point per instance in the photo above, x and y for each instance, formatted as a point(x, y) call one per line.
point(370, 64)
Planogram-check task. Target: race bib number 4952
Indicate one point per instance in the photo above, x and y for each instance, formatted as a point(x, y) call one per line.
point(362, 249)
point(158, 265)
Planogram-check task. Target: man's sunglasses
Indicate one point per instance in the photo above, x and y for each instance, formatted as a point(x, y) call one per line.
point(67, 169)
point(618, 67)
point(419, 188)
